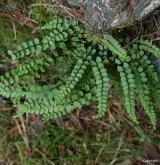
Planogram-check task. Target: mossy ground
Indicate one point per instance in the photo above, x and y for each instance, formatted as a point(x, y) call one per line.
point(76, 139)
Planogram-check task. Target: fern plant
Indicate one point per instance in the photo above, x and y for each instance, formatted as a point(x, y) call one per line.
point(87, 77)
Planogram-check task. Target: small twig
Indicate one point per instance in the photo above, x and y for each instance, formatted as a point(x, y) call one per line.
point(156, 39)
point(151, 34)
point(99, 154)
point(14, 30)
point(20, 154)
point(23, 132)
point(43, 155)
point(120, 144)
point(97, 121)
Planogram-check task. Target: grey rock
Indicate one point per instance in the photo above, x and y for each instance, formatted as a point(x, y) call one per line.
point(110, 14)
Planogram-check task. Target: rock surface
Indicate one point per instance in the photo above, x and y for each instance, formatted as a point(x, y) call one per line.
point(110, 14)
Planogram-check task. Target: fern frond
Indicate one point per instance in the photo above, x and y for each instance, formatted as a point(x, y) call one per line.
point(79, 56)
point(143, 91)
point(151, 74)
point(128, 86)
point(29, 67)
point(50, 110)
point(149, 69)
point(63, 24)
point(26, 49)
point(14, 75)
point(60, 31)
point(102, 83)
point(148, 46)
point(58, 23)
point(76, 73)
point(113, 45)
point(33, 92)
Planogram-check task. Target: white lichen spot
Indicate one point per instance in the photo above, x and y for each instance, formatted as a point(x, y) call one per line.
point(115, 22)
point(154, 4)
point(106, 2)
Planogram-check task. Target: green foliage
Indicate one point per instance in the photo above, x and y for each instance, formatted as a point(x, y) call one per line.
point(32, 67)
point(110, 43)
point(148, 46)
point(102, 83)
point(26, 49)
point(128, 86)
point(42, 13)
point(76, 74)
point(142, 85)
point(89, 60)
